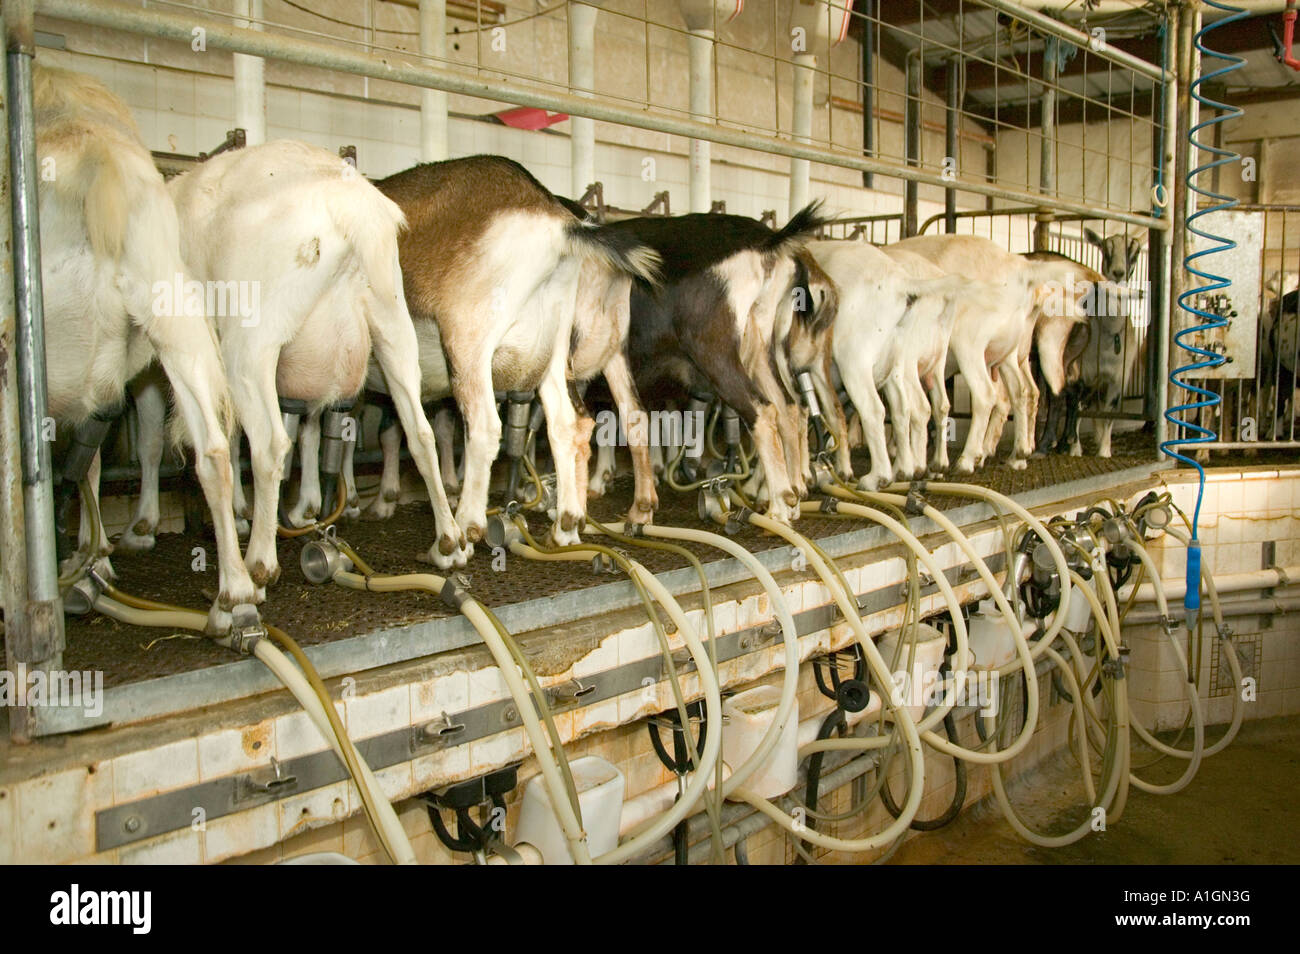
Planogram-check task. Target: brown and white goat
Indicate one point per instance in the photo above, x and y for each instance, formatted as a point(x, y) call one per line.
point(492, 264)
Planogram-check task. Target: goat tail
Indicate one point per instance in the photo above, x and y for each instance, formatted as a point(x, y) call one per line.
point(616, 249)
point(370, 222)
point(802, 227)
point(948, 286)
point(98, 183)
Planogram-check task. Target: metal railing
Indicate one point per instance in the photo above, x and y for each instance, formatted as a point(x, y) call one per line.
point(1006, 62)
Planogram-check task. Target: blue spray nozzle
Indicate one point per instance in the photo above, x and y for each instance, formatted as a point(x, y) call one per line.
point(1192, 596)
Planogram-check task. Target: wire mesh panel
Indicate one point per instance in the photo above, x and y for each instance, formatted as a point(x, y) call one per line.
point(1259, 409)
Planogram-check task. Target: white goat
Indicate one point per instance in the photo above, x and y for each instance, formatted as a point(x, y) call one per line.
point(320, 244)
point(891, 330)
point(110, 243)
point(996, 339)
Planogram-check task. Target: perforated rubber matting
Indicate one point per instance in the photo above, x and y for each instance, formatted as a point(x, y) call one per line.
point(319, 614)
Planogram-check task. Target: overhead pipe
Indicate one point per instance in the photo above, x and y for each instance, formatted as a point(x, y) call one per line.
point(1043, 23)
point(39, 640)
point(156, 22)
point(433, 102)
point(250, 78)
point(582, 82)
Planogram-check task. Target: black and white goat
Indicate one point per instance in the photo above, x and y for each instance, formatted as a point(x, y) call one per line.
point(721, 322)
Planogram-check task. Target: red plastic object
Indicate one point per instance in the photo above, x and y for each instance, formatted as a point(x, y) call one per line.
point(1288, 37)
point(530, 117)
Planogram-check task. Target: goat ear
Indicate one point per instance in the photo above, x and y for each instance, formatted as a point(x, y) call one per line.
point(1094, 238)
point(1134, 247)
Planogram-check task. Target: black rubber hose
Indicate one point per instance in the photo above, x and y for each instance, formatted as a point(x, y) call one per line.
point(835, 722)
point(958, 795)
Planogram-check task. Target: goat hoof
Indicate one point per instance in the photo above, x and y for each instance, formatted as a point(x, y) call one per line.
point(564, 538)
point(456, 558)
point(1018, 463)
point(474, 533)
point(381, 509)
point(137, 539)
point(263, 575)
point(219, 621)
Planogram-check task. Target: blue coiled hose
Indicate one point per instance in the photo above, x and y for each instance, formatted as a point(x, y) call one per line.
point(1210, 282)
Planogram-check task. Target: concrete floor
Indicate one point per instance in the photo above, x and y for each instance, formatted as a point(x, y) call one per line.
point(1240, 809)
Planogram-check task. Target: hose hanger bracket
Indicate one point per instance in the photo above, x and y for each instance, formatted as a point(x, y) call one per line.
point(246, 629)
point(829, 505)
point(454, 593)
point(737, 520)
point(439, 733)
point(916, 503)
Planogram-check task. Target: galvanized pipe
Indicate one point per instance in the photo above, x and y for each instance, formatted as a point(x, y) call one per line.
point(868, 87)
point(1185, 58)
point(306, 52)
point(1047, 148)
point(40, 638)
point(1054, 27)
point(13, 548)
point(1275, 606)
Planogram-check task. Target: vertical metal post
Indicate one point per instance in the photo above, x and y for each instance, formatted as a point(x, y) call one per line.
point(700, 47)
point(433, 102)
point(1188, 23)
point(912, 141)
point(582, 81)
point(1163, 151)
point(804, 66)
point(1047, 145)
point(38, 644)
point(13, 548)
point(1047, 148)
point(868, 87)
point(951, 118)
point(250, 79)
